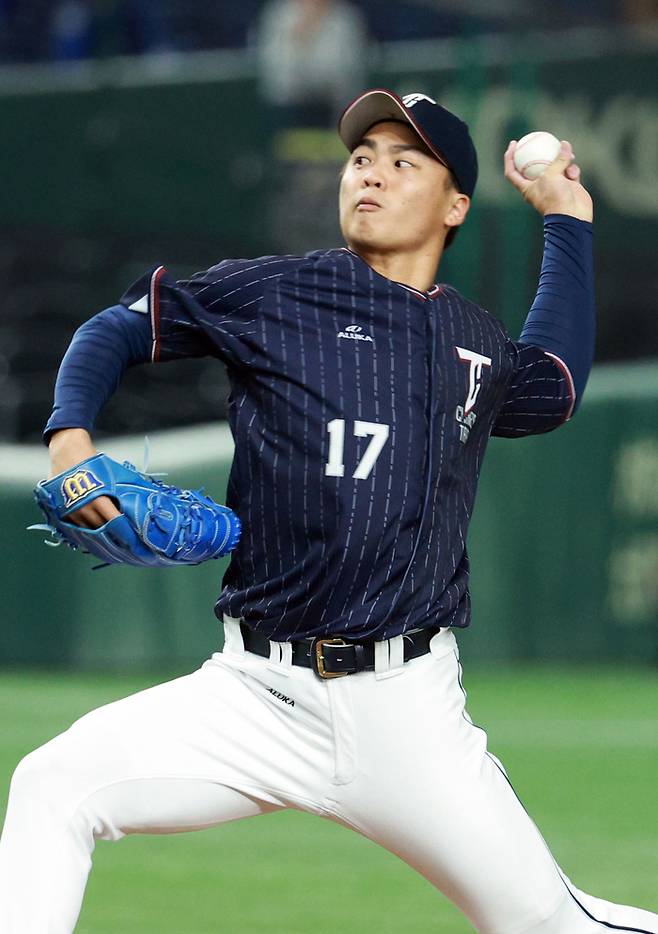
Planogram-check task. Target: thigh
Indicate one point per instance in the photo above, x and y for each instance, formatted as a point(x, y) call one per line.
point(187, 753)
point(429, 791)
point(163, 806)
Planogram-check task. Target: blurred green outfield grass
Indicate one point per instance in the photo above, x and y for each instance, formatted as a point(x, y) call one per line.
point(580, 746)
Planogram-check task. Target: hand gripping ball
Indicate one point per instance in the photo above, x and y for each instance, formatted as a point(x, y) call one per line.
point(535, 152)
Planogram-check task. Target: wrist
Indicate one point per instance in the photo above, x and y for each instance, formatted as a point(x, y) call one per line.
point(564, 216)
point(68, 447)
point(579, 213)
point(64, 437)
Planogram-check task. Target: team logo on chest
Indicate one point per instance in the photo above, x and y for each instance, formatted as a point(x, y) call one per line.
point(464, 414)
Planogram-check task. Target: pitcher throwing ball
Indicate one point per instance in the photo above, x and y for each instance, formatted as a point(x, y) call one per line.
point(363, 397)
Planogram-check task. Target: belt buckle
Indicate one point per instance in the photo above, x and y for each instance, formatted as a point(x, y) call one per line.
point(318, 658)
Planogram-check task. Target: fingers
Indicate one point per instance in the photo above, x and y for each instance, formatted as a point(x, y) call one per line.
point(564, 159)
point(94, 514)
point(564, 164)
point(106, 508)
point(512, 174)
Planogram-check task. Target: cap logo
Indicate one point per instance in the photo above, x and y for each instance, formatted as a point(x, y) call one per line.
point(410, 99)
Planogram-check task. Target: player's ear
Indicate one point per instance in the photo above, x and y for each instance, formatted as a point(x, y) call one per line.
point(457, 209)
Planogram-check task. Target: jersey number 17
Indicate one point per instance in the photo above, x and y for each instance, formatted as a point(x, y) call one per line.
point(336, 428)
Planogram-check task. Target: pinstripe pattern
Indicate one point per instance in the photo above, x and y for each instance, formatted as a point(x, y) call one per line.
point(323, 554)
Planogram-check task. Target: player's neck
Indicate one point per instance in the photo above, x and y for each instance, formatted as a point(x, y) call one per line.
point(417, 269)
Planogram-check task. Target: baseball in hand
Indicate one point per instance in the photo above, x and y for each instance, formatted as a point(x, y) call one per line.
point(535, 152)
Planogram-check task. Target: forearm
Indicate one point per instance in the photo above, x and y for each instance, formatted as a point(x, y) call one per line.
point(69, 446)
point(562, 320)
point(98, 356)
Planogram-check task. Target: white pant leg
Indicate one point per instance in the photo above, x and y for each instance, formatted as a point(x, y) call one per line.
point(45, 859)
point(191, 753)
point(610, 915)
point(427, 790)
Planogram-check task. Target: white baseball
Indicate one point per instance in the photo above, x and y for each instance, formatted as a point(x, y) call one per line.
point(535, 152)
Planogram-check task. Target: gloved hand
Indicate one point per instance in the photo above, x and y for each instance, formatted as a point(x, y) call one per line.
point(159, 526)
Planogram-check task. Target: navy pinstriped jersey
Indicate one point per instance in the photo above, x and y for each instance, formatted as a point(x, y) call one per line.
point(361, 410)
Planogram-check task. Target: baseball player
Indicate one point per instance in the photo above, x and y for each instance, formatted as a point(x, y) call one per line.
point(362, 400)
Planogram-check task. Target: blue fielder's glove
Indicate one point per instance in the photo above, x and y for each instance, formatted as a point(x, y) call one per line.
point(160, 525)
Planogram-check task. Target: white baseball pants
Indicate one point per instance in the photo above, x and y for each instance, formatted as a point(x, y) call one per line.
point(391, 754)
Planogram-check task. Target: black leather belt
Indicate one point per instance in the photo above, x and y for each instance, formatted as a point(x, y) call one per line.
point(334, 656)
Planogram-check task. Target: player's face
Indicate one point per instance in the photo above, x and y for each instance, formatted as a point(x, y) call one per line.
point(395, 196)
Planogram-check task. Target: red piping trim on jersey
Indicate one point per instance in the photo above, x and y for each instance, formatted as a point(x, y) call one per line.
point(426, 296)
point(569, 378)
point(155, 313)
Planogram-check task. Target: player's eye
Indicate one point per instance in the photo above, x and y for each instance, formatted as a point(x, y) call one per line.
point(360, 160)
point(402, 162)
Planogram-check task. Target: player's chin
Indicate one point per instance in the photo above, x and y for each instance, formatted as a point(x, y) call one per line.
point(365, 235)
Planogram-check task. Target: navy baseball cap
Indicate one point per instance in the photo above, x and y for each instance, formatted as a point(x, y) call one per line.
point(445, 135)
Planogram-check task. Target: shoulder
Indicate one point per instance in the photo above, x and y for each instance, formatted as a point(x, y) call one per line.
point(472, 330)
point(256, 268)
point(469, 309)
point(229, 284)
point(234, 282)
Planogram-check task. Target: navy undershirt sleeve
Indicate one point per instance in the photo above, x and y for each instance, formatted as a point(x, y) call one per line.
point(562, 319)
point(101, 351)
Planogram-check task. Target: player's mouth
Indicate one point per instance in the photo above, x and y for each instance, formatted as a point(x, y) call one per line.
point(367, 204)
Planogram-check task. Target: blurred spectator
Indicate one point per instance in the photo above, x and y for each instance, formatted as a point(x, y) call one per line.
point(197, 24)
point(136, 26)
point(418, 20)
point(81, 29)
point(639, 12)
point(71, 31)
point(27, 26)
point(312, 58)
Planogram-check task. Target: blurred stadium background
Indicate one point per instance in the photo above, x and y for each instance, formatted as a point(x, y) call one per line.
point(182, 132)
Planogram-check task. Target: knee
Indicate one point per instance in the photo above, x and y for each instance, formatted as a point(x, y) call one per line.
point(40, 780)
point(48, 793)
point(31, 775)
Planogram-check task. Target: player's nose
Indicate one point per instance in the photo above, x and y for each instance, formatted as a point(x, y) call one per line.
point(373, 178)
